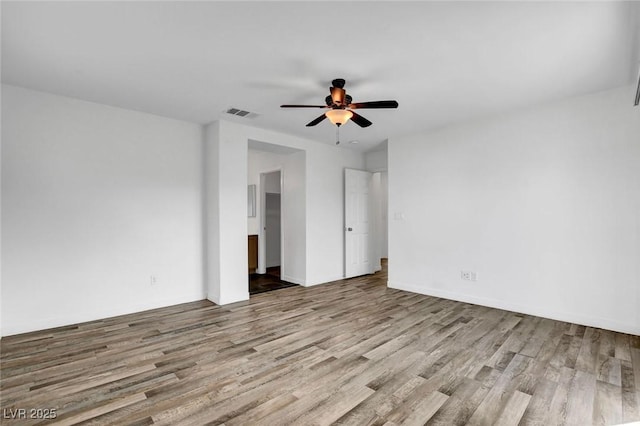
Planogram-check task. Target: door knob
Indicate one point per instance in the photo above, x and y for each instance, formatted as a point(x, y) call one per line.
point(349, 229)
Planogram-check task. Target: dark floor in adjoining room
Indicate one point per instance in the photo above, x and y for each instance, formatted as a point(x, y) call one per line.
point(261, 283)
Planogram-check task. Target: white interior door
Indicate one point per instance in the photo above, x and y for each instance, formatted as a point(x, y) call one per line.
point(357, 188)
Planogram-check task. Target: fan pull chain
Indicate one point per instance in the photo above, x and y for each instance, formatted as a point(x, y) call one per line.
point(337, 135)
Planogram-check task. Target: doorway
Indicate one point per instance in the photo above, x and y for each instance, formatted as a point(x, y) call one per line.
point(278, 173)
point(270, 235)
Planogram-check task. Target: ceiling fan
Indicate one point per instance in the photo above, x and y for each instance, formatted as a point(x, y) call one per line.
point(341, 108)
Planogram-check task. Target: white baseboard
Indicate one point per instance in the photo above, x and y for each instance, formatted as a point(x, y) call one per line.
point(82, 317)
point(241, 297)
point(589, 321)
point(323, 280)
point(294, 280)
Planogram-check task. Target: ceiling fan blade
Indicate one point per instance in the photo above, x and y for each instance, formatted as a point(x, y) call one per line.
point(316, 121)
point(303, 106)
point(374, 104)
point(360, 120)
point(337, 94)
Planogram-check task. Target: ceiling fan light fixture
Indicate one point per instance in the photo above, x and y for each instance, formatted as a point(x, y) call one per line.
point(341, 107)
point(339, 116)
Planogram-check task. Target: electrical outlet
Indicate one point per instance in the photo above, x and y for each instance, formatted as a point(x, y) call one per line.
point(468, 276)
point(153, 280)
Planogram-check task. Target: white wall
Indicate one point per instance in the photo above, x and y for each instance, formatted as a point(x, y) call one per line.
point(225, 206)
point(375, 235)
point(1, 296)
point(376, 161)
point(384, 214)
point(95, 201)
point(258, 163)
point(294, 219)
point(211, 211)
point(543, 204)
point(272, 183)
point(380, 195)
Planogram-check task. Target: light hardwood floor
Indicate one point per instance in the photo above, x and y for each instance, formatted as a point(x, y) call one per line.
point(349, 352)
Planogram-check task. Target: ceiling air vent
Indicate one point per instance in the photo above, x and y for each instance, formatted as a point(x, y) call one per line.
point(241, 113)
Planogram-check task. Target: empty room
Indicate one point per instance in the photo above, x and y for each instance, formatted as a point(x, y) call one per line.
point(314, 213)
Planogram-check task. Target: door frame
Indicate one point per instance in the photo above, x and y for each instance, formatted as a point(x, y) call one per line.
point(262, 246)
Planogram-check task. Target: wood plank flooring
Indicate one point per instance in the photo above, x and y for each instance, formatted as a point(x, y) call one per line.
point(351, 352)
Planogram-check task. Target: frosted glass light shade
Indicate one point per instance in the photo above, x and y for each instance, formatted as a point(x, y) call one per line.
point(339, 116)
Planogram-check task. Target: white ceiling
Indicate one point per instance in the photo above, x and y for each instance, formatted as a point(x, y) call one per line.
point(443, 62)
